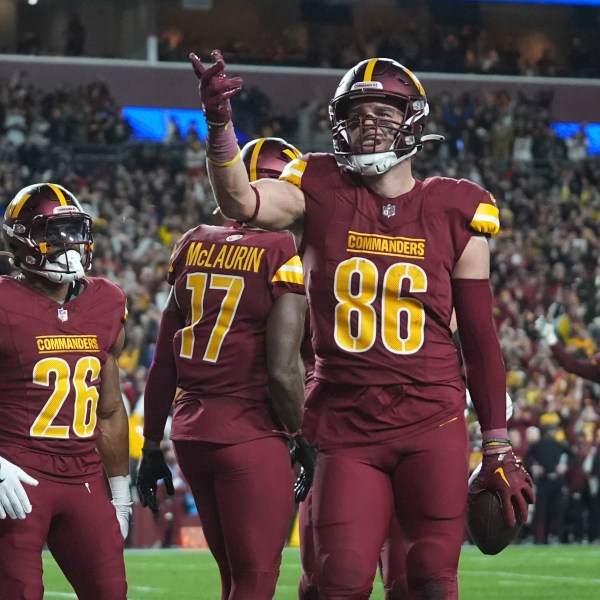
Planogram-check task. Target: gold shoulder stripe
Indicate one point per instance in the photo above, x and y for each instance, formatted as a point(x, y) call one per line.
point(486, 219)
point(290, 272)
point(293, 171)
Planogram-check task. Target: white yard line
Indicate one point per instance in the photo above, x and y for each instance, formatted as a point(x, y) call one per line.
point(530, 577)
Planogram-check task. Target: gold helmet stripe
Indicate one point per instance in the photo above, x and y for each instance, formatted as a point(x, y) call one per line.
point(295, 153)
point(14, 208)
point(368, 76)
point(59, 193)
point(253, 174)
point(415, 80)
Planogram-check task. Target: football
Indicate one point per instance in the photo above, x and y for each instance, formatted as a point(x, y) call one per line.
point(486, 525)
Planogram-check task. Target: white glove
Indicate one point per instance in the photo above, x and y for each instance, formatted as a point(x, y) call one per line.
point(546, 330)
point(509, 406)
point(121, 499)
point(13, 498)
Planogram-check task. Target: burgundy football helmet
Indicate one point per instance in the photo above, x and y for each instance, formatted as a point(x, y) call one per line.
point(48, 232)
point(266, 157)
point(383, 80)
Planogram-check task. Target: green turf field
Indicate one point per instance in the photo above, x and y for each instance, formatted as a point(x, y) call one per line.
point(518, 573)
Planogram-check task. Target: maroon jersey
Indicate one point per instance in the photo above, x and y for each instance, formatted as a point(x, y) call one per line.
point(51, 356)
point(378, 273)
point(226, 281)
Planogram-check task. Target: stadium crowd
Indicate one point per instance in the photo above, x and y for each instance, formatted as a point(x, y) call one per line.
point(143, 196)
point(429, 47)
point(434, 45)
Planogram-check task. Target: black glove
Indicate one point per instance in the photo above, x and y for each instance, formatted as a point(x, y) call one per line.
point(153, 468)
point(305, 454)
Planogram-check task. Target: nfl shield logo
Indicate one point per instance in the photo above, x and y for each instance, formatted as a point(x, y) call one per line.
point(63, 315)
point(389, 210)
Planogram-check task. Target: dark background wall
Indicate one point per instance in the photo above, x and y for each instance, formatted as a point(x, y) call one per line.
point(174, 84)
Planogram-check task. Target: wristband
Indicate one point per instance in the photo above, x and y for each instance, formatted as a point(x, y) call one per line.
point(221, 145)
point(496, 441)
point(120, 489)
point(500, 433)
point(496, 449)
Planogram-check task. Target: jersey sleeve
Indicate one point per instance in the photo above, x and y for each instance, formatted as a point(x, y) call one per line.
point(174, 259)
point(480, 209)
point(310, 172)
point(294, 170)
point(285, 270)
point(116, 303)
point(486, 219)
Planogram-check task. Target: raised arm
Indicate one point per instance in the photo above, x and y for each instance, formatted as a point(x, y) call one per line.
point(588, 369)
point(268, 204)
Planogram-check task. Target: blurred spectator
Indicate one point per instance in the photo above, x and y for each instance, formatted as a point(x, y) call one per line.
point(546, 257)
point(548, 460)
point(75, 35)
point(173, 134)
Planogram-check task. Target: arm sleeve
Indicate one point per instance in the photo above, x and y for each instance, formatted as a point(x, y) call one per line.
point(588, 369)
point(484, 367)
point(162, 378)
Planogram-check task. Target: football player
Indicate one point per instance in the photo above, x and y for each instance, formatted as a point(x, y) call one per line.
point(588, 369)
point(229, 340)
point(386, 257)
point(63, 424)
point(392, 559)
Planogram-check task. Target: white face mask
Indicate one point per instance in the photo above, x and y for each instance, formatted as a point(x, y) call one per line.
point(381, 162)
point(66, 268)
point(378, 163)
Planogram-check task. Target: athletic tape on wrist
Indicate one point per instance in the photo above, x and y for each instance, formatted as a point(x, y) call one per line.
point(222, 148)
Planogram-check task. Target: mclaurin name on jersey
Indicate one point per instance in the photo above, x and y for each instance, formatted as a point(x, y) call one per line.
point(370, 243)
point(51, 344)
point(220, 256)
